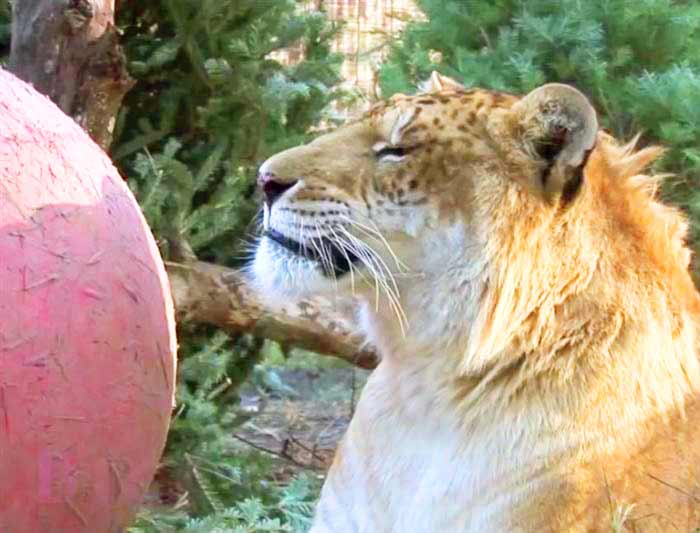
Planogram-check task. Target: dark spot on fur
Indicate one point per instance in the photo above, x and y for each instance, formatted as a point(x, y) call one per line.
point(499, 99)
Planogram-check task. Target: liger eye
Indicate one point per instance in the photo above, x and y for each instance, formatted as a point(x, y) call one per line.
point(385, 152)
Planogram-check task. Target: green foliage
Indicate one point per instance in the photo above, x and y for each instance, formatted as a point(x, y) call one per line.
point(228, 484)
point(290, 512)
point(639, 62)
point(211, 102)
point(208, 380)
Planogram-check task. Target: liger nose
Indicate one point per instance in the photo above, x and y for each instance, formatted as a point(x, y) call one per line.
point(273, 187)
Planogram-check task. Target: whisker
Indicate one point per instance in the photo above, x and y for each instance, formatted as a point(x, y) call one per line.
point(381, 274)
point(347, 257)
point(378, 258)
point(375, 233)
point(326, 255)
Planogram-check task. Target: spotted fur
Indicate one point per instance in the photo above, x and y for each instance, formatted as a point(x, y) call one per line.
point(530, 298)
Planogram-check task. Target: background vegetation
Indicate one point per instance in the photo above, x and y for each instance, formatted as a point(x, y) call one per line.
point(212, 100)
point(211, 103)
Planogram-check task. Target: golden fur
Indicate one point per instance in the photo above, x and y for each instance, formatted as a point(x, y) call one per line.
point(539, 360)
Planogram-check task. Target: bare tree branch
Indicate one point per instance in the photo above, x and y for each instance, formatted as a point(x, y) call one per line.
point(220, 296)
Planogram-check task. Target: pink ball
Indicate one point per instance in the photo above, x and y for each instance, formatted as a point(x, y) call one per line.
point(87, 334)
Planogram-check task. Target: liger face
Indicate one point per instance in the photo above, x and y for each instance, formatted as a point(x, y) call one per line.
point(359, 206)
point(405, 191)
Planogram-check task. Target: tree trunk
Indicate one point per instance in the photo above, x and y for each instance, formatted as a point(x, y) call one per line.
point(69, 50)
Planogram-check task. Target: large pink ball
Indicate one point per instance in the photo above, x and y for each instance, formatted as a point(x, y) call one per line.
point(87, 340)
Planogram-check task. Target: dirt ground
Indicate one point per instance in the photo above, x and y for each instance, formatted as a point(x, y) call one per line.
point(298, 416)
point(304, 421)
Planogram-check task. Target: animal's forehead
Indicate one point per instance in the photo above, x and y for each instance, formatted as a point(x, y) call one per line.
point(436, 110)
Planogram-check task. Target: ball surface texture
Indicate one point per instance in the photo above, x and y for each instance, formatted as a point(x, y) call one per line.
point(87, 334)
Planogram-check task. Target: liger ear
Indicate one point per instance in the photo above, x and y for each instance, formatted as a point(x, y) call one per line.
point(438, 83)
point(560, 126)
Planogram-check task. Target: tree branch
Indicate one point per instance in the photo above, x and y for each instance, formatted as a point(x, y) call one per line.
point(69, 50)
point(220, 296)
